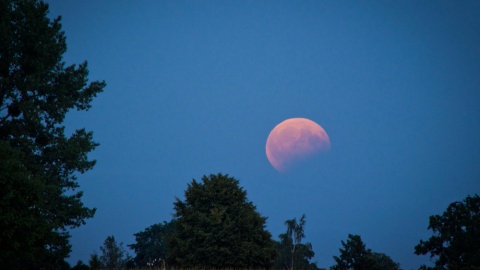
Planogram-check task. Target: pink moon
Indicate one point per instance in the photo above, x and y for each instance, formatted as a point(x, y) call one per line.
point(293, 141)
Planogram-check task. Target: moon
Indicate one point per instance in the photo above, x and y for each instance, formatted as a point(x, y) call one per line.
point(293, 141)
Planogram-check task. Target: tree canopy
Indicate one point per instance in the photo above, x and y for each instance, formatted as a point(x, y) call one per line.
point(455, 243)
point(292, 253)
point(113, 254)
point(40, 163)
point(151, 244)
point(355, 256)
point(217, 227)
point(95, 262)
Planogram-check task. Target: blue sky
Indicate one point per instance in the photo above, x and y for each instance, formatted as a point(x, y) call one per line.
point(195, 87)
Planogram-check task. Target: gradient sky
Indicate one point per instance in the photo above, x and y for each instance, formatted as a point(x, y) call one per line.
point(195, 87)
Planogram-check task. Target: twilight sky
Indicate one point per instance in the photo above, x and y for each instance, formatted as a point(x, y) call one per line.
point(195, 87)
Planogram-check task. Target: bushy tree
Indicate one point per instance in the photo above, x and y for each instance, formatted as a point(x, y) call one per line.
point(151, 244)
point(113, 254)
point(217, 227)
point(455, 243)
point(355, 256)
point(292, 254)
point(38, 198)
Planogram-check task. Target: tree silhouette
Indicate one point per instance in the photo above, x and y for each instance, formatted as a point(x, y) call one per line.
point(40, 164)
point(80, 266)
point(217, 227)
point(295, 233)
point(151, 244)
point(384, 262)
point(456, 236)
point(94, 262)
point(355, 256)
point(113, 254)
point(291, 252)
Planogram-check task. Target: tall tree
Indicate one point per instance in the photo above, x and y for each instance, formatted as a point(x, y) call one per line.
point(455, 243)
point(151, 244)
point(38, 198)
point(355, 256)
point(217, 227)
point(292, 254)
point(113, 254)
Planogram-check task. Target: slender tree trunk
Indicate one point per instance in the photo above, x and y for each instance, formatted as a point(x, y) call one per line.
point(293, 252)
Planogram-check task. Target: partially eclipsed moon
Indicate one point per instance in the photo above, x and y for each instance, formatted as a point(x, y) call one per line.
point(294, 140)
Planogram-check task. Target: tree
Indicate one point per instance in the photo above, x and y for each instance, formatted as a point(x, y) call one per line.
point(296, 233)
point(291, 252)
point(456, 236)
point(94, 262)
point(38, 180)
point(217, 227)
point(356, 256)
point(113, 254)
point(80, 266)
point(384, 262)
point(151, 245)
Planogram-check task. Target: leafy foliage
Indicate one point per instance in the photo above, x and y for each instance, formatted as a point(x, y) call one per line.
point(151, 244)
point(80, 266)
point(292, 254)
point(456, 236)
point(217, 227)
point(356, 256)
point(39, 162)
point(113, 254)
point(94, 262)
point(384, 262)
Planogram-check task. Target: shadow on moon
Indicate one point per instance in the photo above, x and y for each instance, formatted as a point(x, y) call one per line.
point(294, 141)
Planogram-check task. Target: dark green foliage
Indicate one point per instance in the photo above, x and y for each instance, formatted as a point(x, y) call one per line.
point(217, 227)
point(292, 254)
point(356, 256)
point(384, 262)
point(151, 245)
point(39, 162)
point(113, 254)
point(94, 262)
point(80, 266)
point(130, 263)
point(456, 236)
point(301, 257)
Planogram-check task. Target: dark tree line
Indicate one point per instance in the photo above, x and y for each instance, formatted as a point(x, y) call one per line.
point(454, 244)
point(216, 226)
point(212, 200)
